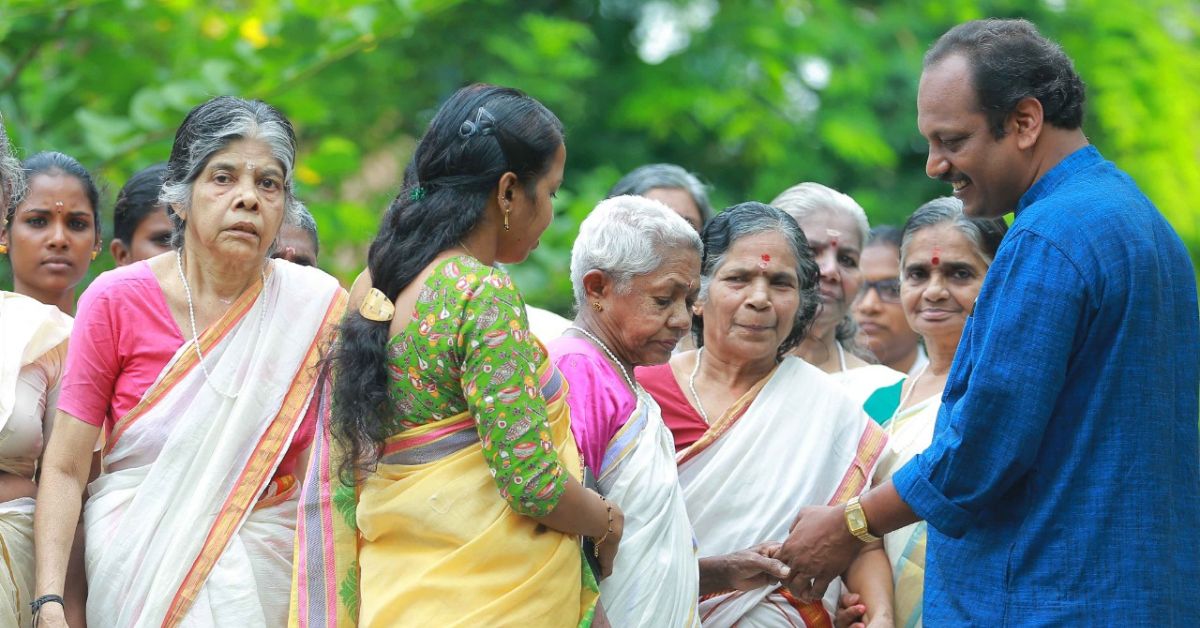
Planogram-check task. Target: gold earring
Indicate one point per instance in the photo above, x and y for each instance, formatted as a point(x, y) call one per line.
point(596, 306)
point(95, 254)
point(3, 249)
point(506, 212)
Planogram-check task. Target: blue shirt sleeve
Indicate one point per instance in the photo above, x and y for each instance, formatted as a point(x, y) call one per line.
point(1003, 386)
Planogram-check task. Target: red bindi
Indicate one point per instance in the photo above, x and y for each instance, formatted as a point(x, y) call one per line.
point(833, 234)
point(766, 259)
point(936, 256)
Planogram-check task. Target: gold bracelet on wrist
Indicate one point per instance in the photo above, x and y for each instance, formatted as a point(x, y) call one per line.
point(601, 540)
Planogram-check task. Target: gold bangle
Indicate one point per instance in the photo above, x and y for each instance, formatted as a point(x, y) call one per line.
point(601, 540)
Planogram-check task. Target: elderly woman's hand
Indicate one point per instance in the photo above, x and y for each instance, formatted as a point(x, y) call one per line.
point(743, 570)
point(51, 616)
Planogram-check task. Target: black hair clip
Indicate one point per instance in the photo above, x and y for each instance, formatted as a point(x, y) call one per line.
point(482, 125)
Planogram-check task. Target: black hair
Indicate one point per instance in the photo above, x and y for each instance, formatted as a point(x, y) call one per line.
point(1010, 61)
point(480, 133)
point(751, 218)
point(885, 235)
point(51, 162)
point(136, 200)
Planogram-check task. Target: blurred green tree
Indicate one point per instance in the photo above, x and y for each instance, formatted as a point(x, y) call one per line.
point(754, 96)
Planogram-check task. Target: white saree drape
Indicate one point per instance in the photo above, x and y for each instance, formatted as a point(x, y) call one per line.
point(29, 330)
point(184, 525)
point(793, 440)
point(655, 580)
point(910, 431)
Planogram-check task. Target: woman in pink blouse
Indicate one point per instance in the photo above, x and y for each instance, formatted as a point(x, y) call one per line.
point(635, 268)
point(198, 365)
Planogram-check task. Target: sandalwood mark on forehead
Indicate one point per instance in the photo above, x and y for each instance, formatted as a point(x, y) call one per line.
point(833, 234)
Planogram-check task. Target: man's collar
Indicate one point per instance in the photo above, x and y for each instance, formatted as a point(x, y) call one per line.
point(1043, 187)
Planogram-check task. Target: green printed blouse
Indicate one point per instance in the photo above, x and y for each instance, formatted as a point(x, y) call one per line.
point(468, 347)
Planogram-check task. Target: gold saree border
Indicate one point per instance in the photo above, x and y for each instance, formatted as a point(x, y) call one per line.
point(727, 420)
point(262, 462)
point(184, 365)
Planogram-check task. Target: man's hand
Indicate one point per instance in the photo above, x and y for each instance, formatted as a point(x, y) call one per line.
point(818, 549)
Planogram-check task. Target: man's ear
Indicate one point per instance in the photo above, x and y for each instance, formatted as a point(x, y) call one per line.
point(1025, 122)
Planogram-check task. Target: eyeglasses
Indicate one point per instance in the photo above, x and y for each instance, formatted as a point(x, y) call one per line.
point(887, 289)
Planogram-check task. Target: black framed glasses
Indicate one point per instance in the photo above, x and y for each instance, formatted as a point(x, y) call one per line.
point(887, 289)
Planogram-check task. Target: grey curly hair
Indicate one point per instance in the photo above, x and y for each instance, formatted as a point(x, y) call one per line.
point(12, 176)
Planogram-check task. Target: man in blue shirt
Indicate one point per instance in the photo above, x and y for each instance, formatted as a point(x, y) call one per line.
point(1062, 486)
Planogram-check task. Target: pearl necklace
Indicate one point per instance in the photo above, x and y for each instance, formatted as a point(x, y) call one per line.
point(692, 387)
point(628, 380)
point(187, 290)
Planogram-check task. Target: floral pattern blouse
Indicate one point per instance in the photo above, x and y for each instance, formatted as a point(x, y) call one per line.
point(468, 348)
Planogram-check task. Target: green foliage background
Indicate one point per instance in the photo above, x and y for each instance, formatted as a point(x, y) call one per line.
point(752, 95)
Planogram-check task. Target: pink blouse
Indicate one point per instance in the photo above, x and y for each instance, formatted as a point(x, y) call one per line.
point(124, 336)
point(597, 394)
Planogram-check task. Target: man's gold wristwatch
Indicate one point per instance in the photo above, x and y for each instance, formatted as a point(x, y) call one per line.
point(856, 520)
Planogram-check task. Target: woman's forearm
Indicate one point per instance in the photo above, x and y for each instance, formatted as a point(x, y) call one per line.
point(54, 523)
point(870, 576)
point(579, 511)
point(66, 463)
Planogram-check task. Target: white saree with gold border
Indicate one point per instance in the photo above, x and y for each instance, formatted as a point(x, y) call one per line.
point(795, 439)
point(185, 526)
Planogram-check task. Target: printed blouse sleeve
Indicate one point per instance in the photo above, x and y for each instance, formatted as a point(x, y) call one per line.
point(500, 383)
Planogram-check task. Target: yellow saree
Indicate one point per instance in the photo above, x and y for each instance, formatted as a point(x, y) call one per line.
point(435, 544)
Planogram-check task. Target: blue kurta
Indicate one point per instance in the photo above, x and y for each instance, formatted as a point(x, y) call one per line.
point(1063, 483)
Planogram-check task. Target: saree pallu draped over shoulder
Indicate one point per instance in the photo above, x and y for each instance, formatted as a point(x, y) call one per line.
point(185, 526)
point(427, 540)
point(793, 440)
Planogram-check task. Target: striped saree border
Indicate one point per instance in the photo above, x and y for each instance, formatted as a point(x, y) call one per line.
point(211, 337)
point(262, 462)
point(871, 446)
point(625, 439)
point(727, 420)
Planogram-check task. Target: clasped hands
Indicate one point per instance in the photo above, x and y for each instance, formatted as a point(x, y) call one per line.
point(818, 549)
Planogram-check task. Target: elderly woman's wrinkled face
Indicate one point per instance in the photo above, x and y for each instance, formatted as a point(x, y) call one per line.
point(237, 203)
point(837, 245)
point(52, 235)
point(940, 280)
point(752, 298)
point(653, 311)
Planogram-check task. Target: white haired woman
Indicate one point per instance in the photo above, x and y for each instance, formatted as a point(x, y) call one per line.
point(760, 433)
point(200, 366)
point(635, 268)
point(836, 228)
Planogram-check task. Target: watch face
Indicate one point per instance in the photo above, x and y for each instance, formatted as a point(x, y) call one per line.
point(857, 521)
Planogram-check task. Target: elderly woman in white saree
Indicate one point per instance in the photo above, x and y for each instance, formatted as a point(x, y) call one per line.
point(944, 257)
point(199, 365)
point(761, 434)
point(836, 228)
point(635, 268)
